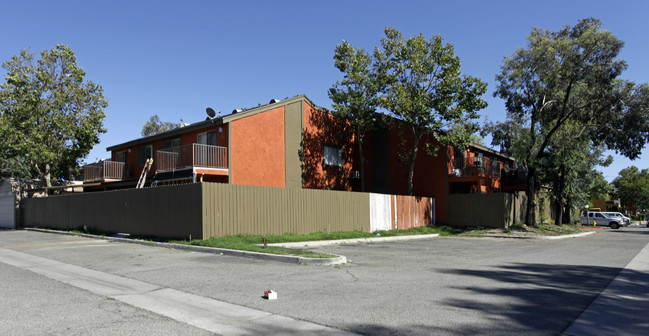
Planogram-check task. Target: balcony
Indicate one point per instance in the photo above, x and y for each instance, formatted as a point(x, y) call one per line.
point(191, 156)
point(104, 171)
point(476, 171)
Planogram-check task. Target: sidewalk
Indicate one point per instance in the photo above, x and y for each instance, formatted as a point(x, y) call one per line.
point(621, 309)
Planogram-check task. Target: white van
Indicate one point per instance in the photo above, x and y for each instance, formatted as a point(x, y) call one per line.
point(619, 215)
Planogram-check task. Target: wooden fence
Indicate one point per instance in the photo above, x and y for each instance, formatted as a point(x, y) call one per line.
point(204, 210)
point(388, 212)
point(495, 210)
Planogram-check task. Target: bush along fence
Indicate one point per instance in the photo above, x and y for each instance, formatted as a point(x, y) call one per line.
point(203, 210)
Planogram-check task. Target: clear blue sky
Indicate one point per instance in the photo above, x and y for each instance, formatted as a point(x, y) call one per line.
point(175, 58)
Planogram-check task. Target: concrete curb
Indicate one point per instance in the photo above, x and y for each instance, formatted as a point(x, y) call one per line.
point(204, 249)
point(576, 235)
point(354, 241)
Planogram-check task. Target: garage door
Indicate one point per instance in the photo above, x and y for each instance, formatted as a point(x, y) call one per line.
point(6, 210)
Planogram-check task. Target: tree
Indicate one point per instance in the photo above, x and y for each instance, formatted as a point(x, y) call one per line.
point(155, 126)
point(570, 170)
point(569, 79)
point(356, 97)
point(51, 117)
point(632, 186)
point(424, 89)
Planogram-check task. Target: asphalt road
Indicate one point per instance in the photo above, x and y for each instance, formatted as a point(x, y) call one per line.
point(443, 286)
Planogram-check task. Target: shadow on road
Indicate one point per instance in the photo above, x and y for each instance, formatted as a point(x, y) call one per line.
point(519, 298)
point(635, 232)
point(545, 298)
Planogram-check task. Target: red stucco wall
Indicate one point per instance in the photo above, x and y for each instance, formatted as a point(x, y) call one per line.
point(258, 152)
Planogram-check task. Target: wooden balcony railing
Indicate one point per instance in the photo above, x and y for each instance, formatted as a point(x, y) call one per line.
point(104, 171)
point(193, 155)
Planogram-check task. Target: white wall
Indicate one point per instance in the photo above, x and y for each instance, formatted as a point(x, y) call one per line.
point(380, 212)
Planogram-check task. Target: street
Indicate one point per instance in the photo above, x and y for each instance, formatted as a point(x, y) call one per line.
point(442, 286)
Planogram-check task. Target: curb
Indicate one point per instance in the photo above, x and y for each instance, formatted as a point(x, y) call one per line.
point(214, 250)
point(354, 241)
point(576, 235)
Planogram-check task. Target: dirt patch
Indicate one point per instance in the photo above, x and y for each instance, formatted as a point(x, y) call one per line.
point(525, 231)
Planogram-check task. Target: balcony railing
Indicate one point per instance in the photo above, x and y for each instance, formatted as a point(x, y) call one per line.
point(476, 170)
point(103, 171)
point(193, 155)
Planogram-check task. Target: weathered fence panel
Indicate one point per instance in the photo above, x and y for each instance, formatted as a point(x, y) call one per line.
point(164, 212)
point(496, 210)
point(388, 212)
point(205, 210)
point(233, 209)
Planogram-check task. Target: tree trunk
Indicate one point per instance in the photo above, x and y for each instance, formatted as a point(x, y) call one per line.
point(413, 159)
point(567, 212)
point(530, 212)
point(558, 216)
point(362, 157)
point(47, 178)
point(560, 184)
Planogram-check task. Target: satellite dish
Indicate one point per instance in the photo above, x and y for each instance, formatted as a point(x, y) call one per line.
point(210, 112)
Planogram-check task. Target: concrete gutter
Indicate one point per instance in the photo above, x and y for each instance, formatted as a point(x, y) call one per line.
point(214, 250)
point(317, 243)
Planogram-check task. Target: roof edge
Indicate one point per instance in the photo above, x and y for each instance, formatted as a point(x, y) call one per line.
point(215, 121)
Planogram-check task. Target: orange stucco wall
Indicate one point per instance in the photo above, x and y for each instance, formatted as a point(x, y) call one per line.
point(429, 178)
point(258, 153)
point(322, 129)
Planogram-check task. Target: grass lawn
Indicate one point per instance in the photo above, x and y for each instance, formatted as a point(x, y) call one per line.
point(251, 242)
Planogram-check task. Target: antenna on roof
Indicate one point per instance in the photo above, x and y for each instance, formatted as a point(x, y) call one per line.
point(211, 114)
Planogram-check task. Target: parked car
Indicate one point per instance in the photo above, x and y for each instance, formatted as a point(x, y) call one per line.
point(619, 215)
point(600, 219)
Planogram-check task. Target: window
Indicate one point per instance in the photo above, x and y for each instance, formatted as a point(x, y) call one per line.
point(495, 167)
point(333, 156)
point(120, 156)
point(170, 143)
point(459, 159)
point(208, 138)
point(479, 160)
point(144, 153)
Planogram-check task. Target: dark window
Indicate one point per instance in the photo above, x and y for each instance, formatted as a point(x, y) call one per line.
point(333, 156)
point(144, 153)
point(120, 156)
point(170, 143)
point(495, 167)
point(479, 160)
point(459, 159)
point(208, 138)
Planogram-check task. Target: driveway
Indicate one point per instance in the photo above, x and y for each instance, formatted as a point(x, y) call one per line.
point(444, 286)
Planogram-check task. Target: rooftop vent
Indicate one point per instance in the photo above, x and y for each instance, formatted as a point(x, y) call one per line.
point(273, 101)
point(236, 111)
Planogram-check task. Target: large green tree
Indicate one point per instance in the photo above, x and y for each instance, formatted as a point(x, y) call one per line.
point(154, 126)
point(566, 82)
point(425, 89)
point(632, 187)
point(50, 116)
point(356, 97)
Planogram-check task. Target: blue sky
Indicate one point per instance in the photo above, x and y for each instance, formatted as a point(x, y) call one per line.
point(174, 59)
